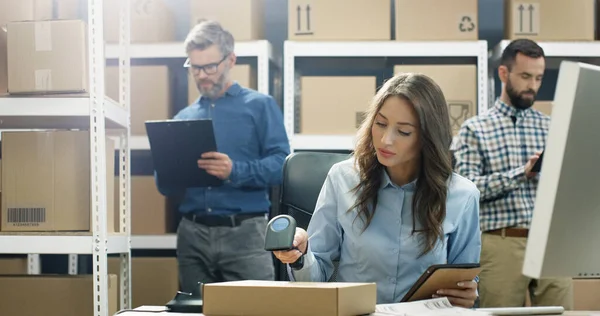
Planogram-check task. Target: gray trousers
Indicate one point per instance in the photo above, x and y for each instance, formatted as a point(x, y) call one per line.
point(217, 254)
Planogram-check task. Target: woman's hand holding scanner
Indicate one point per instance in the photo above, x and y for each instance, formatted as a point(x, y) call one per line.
point(464, 297)
point(299, 248)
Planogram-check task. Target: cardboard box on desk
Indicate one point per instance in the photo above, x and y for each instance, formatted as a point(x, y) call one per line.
point(246, 22)
point(53, 295)
point(459, 85)
point(46, 182)
point(550, 20)
point(244, 74)
point(18, 10)
point(339, 20)
point(451, 20)
point(334, 105)
point(274, 298)
point(47, 57)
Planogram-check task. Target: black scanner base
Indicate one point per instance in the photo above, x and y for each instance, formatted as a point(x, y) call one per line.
point(185, 303)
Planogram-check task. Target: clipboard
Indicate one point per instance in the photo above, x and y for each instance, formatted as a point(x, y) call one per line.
point(176, 146)
point(441, 276)
point(537, 167)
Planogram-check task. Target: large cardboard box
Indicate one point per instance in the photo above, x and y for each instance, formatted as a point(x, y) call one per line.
point(47, 57)
point(244, 74)
point(53, 295)
point(550, 20)
point(149, 212)
point(451, 20)
point(585, 294)
point(151, 21)
point(274, 298)
point(46, 181)
point(543, 106)
point(154, 280)
point(459, 85)
point(150, 94)
point(13, 265)
point(332, 20)
point(245, 23)
point(18, 10)
point(334, 105)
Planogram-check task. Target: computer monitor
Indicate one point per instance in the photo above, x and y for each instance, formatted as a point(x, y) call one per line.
point(564, 237)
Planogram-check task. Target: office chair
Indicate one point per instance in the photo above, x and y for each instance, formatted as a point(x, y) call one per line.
point(303, 176)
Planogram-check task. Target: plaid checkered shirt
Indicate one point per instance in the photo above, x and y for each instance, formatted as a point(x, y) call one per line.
point(492, 150)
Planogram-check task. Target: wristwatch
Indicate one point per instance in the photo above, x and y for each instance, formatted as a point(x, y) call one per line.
point(299, 264)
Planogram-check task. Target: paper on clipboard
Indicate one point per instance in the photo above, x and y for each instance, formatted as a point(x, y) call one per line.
point(432, 307)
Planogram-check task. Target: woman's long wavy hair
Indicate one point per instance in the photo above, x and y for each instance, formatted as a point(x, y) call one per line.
point(429, 202)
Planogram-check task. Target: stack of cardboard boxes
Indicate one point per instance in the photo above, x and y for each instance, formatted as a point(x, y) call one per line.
point(336, 105)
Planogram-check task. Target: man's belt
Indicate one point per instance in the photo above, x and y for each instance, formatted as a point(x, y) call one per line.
point(222, 220)
point(509, 232)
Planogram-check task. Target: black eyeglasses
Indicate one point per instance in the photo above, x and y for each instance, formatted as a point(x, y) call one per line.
point(209, 69)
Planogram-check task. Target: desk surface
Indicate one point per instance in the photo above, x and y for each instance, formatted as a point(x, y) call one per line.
point(153, 311)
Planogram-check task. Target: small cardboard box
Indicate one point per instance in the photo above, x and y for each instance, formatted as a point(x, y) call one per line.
point(18, 10)
point(53, 295)
point(459, 85)
point(334, 105)
point(244, 74)
point(47, 57)
point(152, 21)
point(585, 294)
point(46, 182)
point(550, 20)
point(275, 298)
point(150, 94)
point(339, 20)
point(248, 22)
point(543, 106)
point(451, 20)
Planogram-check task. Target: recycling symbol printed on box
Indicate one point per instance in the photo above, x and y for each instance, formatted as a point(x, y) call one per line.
point(466, 24)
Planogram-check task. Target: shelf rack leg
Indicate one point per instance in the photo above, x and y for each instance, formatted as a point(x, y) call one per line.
point(263, 69)
point(73, 264)
point(289, 83)
point(124, 154)
point(96, 62)
point(482, 77)
point(33, 264)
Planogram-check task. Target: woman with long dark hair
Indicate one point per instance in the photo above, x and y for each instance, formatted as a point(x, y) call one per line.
point(395, 208)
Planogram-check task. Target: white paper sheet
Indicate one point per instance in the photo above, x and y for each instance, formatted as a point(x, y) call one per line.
point(433, 307)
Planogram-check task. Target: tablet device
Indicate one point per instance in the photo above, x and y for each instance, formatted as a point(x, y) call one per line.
point(538, 164)
point(441, 276)
point(176, 146)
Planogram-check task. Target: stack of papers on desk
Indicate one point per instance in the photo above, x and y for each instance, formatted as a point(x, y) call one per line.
point(433, 307)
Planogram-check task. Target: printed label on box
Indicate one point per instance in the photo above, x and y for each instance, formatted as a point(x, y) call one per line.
point(526, 18)
point(43, 79)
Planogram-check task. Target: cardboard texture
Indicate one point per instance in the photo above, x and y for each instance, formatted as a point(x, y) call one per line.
point(451, 20)
point(543, 106)
point(585, 294)
point(46, 181)
point(150, 94)
point(244, 74)
point(18, 10)
point(47, 57)
point(334, 105)
point(248, 22)
point(459, 85)
point(332, 20)
point(152, 21)
point(550, 20)
point(270, 298)
point(53, 295)
point(149, 215)
point(154, 281)
point(16, 265)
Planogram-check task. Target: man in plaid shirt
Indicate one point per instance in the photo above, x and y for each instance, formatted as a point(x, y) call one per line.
point(497, 150)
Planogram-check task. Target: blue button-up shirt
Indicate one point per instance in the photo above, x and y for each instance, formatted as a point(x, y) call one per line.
point(386, 252)
point(248, 128)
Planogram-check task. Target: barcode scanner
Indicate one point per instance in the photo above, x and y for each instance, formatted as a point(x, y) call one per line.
point(280, 233)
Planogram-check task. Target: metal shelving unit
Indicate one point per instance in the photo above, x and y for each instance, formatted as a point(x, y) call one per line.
point(555, 52)
point(96, 113)
point(298, 49)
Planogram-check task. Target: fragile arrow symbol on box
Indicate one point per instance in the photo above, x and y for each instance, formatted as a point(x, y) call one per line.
point(531, 18)
point(521, 8)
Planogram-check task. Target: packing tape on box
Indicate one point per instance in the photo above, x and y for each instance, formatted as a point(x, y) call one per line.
point(43, 36)
point(43, 79)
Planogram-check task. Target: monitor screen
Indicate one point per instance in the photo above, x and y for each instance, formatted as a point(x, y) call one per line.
point(564, 238)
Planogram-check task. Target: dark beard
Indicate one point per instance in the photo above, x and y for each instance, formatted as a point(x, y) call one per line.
point(516, 100)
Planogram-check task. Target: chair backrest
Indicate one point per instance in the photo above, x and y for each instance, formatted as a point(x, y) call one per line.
point(303, 176)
